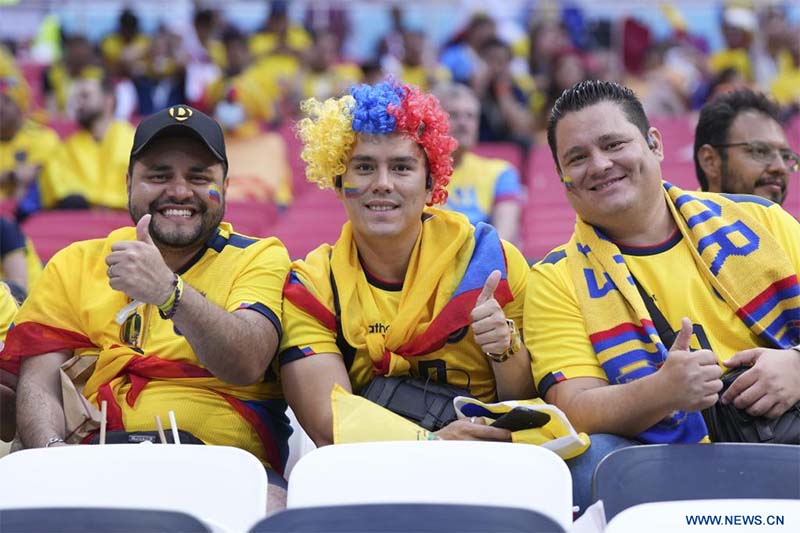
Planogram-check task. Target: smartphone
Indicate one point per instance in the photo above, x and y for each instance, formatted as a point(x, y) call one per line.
point(520, 418)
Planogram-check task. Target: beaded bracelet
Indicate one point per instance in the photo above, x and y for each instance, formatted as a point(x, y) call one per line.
point(170, 307)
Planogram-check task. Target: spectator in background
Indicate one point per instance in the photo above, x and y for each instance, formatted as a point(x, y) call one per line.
point(483, 189)
point(79, 62)
point(20, 266)
point(461, 55)
point(278, 36)
point(88, 169)
point(8, 382)
point(124, 50)
point(323, 73)
point(739, 25)
point(418, 64)
point(162, 83)
point(25, 145)
point(205, 54)
point(505, 110)
point(786, 85)
point(740, 147)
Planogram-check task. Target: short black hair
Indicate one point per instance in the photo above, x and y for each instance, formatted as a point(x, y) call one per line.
point(588, 93)
point(717, 116)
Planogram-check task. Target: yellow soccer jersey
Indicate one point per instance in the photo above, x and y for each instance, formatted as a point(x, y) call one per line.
point(73, 307)
point(8, 308)
point(478, 183)
point(554, 327)
point(34, 144)
point(94, 170)
point(460, 362)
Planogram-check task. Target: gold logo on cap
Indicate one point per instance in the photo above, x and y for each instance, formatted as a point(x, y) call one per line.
point(180, 113)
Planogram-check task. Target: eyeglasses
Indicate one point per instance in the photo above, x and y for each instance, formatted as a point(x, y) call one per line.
point(765, 154)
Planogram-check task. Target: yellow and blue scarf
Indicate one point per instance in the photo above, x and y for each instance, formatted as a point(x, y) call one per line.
point(446, 272)
point(741, 260)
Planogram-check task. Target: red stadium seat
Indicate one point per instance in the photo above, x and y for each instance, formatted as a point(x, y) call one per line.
point(251, 218)
point(507, 151)
point(547, 219)
point(32, 72)
point(51, 231)
point(311, 220)
point(293, 148)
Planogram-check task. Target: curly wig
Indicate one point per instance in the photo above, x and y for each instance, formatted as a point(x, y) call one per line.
point(329, 130)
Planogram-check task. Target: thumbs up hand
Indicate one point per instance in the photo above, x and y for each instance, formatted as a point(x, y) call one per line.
point(489, 325)
point(138, 269)
point(691, 379)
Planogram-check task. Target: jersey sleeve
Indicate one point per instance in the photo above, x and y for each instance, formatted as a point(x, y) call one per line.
point(508, 186)
point(304, 335)
point(259, 283)
point(555, 333)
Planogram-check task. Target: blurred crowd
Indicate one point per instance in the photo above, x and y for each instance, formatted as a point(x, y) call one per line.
point(253, 84)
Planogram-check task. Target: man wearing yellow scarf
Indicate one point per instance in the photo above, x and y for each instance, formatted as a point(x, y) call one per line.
point(407, 289)
point(721, 269)
point(8, 308)
point(179, 313)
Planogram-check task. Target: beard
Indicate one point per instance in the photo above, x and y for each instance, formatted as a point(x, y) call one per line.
point(177, 238)
point(86, 119)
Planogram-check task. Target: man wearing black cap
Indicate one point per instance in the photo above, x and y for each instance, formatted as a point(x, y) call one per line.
point(182, 313)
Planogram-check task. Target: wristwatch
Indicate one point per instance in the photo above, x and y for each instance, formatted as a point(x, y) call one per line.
point(513, 347)
point(53, 440)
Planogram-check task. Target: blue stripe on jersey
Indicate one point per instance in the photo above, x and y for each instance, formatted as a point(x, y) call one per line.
point(290, 354)
point(554, 257)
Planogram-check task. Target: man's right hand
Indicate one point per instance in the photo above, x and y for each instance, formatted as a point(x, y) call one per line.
point(473, 428)
point(691, 379)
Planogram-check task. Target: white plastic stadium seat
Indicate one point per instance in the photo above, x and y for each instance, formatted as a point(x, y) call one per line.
point(463, 472)
point(299, 443)
point(740, 515)
point(220, 485)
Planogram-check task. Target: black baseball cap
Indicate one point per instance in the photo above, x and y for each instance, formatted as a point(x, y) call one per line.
point(181, 121)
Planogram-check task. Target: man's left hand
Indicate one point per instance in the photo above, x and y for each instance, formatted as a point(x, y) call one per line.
point(489, 324)
point(770, 387)
point(138, 269)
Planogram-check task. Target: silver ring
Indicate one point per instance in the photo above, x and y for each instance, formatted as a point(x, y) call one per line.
point(110, 271)
point(472, 420)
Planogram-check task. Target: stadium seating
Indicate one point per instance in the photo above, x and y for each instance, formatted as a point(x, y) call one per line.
point(739, 515)
point(199, 480)
point(299, 443)
point(642, 474)
point(547, 218)
point(51, 231)
point(407, 517)
point(506, 151)
point(85, 520)
point(434, 472)
point(314, 218)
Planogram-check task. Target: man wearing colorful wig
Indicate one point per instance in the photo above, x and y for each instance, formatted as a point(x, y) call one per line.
point(181, 313)
point(721, 269)
point(406, 289)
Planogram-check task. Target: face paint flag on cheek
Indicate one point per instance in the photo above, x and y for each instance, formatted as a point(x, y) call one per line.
point(567, 181)
point(351, 190)
point(214, 195)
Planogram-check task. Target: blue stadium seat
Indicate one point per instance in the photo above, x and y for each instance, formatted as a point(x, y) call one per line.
point(667, 472)
point(90, 520)
point(380, 518)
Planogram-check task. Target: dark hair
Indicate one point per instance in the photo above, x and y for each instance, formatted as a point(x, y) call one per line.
point(204, 17)
point(495, 42)
point(591, 92)
point(717, 116)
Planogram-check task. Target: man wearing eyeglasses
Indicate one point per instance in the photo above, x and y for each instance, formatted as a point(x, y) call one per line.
point(741, 148)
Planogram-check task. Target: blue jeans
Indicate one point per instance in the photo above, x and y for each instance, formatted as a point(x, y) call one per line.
point(582, 467)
